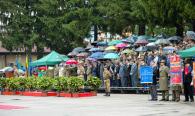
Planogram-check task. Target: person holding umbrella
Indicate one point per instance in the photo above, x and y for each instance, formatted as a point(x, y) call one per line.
point(163, 81)
point(107, 75)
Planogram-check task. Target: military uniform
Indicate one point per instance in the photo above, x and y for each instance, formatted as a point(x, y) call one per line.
point(107, 76)
point(163, 82)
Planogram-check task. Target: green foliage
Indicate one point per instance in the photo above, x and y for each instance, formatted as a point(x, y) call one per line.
point(75, 84)
point(3, 83)
point(31, 83)
point(44, 83)
point(94, 83)
point(12, 84)
point(61, 84)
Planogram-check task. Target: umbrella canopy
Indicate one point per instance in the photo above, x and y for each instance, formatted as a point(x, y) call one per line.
point(73, 53)
point(141, 42)
point(111, 56)
point(79, 49)
point(152, 39)
point(169, 49)
point(51, 59)
point(102, 43)
point(190, 34)
point(97, 55)
point(95, 50)
point(144, 37)
point(131, 39)
point(65, 58)
point(84, 54)
point(6, 69)
point(121, 45)
point(127, 51)
point(92, 59)
point(161, 36)
point(162, 42)
point(188, 53)
point(71, 61)
point(114, 42)
point(141, 49)
point(151, 44)
point(110, 48)
point(175, 39)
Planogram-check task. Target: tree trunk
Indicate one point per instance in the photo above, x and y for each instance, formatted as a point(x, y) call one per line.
point(95, 32)
point(179, 30)
point(142, 29)
point(40, 52)
point(193, 25)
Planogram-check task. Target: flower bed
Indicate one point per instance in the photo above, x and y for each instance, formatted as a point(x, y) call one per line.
point(63, 86)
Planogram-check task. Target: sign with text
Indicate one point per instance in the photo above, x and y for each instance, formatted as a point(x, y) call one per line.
point(175, 70)
point(146, 74)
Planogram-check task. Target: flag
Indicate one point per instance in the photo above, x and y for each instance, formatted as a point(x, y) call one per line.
point(18, 64)
point(27, 65)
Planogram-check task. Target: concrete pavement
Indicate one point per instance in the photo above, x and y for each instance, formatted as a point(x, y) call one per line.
point(116, 105)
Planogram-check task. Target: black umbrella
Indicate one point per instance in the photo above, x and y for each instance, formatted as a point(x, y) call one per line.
point(175, 39)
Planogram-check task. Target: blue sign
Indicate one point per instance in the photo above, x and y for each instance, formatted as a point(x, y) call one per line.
point(146, 74)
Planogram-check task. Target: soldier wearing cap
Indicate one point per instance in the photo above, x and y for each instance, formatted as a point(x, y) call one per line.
point(107, 75)
point(163, 81)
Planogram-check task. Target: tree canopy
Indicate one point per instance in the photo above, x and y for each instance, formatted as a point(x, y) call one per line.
point(62, 24)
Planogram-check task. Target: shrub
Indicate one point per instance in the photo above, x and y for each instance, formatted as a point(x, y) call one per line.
point(60, 84)
point(3, 83)
point(94, 83)
point(75, 84)
point(44, 83)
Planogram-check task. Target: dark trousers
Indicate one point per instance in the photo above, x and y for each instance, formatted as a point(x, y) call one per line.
point(188, 91)
point(165, 95)
point(153, 92)
point(118, 81)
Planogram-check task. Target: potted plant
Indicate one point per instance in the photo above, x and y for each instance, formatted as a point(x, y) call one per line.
point(44, 84)
point(2, 84)
point(12, 85)
point(61, 84)
point(75, 84)
point(21, 83)
point(94, 83)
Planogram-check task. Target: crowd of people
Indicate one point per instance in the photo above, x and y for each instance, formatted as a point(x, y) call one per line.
point(124, 72)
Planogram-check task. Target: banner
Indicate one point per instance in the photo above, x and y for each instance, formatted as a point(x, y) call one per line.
point(175, 70)
point(146, 74)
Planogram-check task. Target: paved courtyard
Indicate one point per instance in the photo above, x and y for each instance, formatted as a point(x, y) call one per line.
point(116, 105)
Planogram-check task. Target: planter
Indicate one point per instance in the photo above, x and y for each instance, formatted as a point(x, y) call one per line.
point(51, 93)
point(8, 93)
point(86, 94)
point(18, 93)
point(75, 95)
point(27, 93)
point(65, 94)
point(93, 93)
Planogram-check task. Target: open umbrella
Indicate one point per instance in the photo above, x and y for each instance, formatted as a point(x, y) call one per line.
point(175, 39)
point(161, 36)
point(190, 34)
point(141, 49)
point(151, 44)
point(111, 56)
point(95, 50)
point(79, 49)
point(97, 55)
point(110, 48)
point(144, 37)
point(121, 45)
point(83, 54)
point(132, 39)
point(114, 42)
point(169, 49)
point(141, 42)
point(127, 51)
point(73, 53)
point(102, 43)
point(91, 59)
point(162, 42)
point(71, 61)
point(89, 46)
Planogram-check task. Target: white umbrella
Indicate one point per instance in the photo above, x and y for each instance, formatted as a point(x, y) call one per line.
point(162, 42)
point(151, 44)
